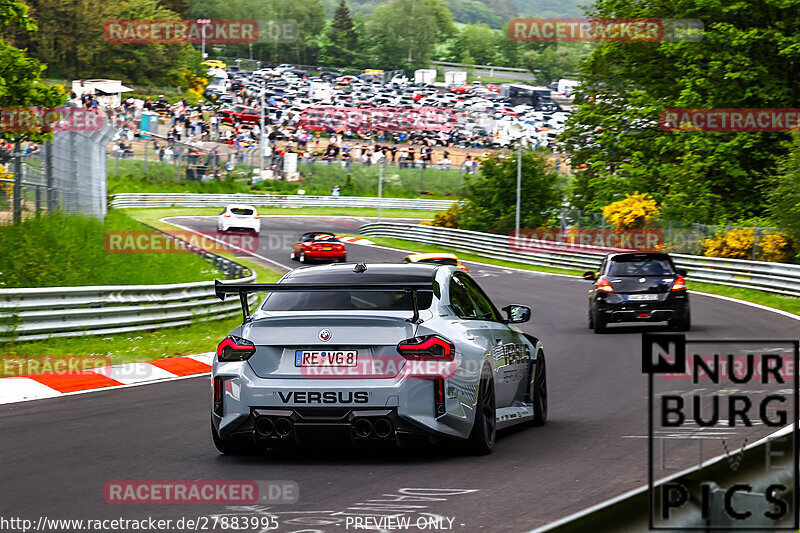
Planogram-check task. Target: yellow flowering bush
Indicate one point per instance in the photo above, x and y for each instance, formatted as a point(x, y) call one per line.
point(634, 212)
point(738, 244)
point(449, 218)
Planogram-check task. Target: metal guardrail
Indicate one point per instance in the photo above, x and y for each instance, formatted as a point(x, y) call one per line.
point(127, 200)
point(43, 312)
point(778, 278)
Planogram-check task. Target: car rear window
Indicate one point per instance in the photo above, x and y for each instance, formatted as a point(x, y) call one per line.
point(640, 266)
point(346, 301)
point(240, 211)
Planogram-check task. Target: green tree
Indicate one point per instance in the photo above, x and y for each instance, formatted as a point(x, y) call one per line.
point(784, 191)
point(748, 58)
point(172, 64)
point(19, 74)
point(478, 41)
point(404, 32)
point(341, 44)
point(491, 196)
point(554, 61)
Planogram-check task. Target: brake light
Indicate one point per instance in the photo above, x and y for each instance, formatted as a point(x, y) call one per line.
point(255, 216)
point(429, 347)
point(603, 285)
point(235, 349)
point(679, 284)
point(227, 215)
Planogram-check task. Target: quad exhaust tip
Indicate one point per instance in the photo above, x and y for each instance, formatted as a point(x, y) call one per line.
point(362, 428)
point(383, 428)
point(264, 426)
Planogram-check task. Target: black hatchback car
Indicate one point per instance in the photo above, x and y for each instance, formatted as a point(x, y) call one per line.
point(638, 287)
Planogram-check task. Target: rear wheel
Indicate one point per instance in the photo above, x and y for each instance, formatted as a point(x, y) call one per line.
point(537, 391)
point(484, 429)
point(598, 323)
point(302, 257)
point(234, 446)
point(684, 324)
point(292, 256)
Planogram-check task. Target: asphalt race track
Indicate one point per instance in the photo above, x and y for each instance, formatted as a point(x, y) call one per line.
point(57, 454)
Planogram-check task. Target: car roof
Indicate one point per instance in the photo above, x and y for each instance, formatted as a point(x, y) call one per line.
point(424, 257)
point(644, 255)
point(240, 206)
point(318, 233)
point(375, 273)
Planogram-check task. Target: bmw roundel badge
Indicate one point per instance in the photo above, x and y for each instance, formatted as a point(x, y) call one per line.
point(325, 335)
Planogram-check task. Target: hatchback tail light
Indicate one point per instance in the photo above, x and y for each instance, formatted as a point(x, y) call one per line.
point(235, 349)
point(428, 347)
point(603, 285)
point(679, 284)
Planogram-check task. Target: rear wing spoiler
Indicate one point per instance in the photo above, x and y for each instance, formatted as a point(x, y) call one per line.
point(244, 289)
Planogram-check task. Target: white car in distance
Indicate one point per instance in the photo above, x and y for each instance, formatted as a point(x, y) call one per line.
point(239, 218)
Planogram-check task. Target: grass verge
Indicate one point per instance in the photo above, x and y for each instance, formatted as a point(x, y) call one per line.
point(69, 250)
point(789, 304)
point(132, 347)
point(199, 337)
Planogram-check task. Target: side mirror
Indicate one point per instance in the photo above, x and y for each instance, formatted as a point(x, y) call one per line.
point(681, 272)
point(589, 276)
point(517, 313)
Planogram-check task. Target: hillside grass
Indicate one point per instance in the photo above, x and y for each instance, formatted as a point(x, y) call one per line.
point(127, 175)
point(69, 250)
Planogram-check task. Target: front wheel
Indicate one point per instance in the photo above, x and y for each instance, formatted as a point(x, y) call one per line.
point(484, 429)
point(293, 256)
point(302, 257)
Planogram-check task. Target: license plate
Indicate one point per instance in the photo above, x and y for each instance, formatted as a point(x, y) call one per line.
point(326, 248)
point(325, 358)
point(640, 297)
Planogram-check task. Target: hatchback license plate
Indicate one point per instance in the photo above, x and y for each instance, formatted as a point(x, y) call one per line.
point(325, 358)
point(643, 297)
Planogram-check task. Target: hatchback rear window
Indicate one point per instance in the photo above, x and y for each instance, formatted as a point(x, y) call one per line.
point(240, 211)
point(638, 266)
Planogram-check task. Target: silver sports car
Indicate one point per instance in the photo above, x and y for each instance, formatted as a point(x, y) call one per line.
point(370, 355)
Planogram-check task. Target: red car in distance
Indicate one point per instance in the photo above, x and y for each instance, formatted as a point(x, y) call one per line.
point(318, 246)
point(240, 113)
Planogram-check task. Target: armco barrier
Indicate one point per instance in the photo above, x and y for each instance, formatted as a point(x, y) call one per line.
point(127, 200)
point(40, 313)
point(779, 278)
